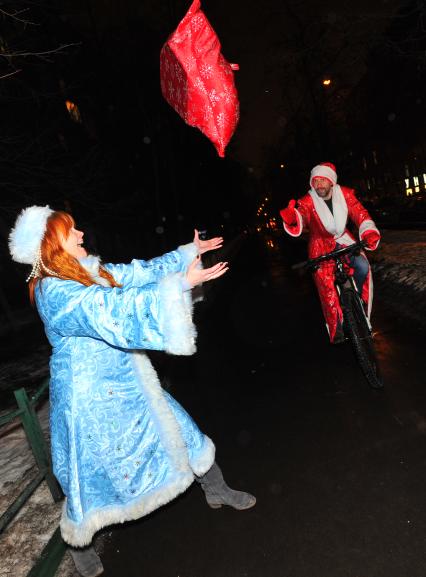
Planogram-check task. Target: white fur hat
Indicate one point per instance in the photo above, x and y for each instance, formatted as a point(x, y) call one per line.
point(26, 236)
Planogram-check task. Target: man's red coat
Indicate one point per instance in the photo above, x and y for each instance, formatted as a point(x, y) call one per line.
point(322, 241)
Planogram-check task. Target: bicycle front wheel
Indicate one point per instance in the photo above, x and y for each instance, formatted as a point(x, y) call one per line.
point(361, 338)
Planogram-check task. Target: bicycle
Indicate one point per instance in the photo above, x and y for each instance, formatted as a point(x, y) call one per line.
point(356, 323)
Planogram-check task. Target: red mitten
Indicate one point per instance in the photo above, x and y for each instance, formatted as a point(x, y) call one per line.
point(197, 81)
point(289, 214)
point(371, 238)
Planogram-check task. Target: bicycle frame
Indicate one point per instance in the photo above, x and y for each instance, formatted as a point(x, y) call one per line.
point(358, 327)
point(342, 276)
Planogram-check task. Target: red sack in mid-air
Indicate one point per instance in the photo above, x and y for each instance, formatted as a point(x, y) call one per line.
point(197, 81)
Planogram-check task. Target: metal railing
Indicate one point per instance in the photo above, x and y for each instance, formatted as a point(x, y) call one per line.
point(53, 552)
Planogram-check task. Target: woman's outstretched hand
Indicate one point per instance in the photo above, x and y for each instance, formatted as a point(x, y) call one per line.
point(196, 276)
point(206, 245)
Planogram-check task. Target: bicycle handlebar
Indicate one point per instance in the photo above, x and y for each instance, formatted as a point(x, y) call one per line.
point(330, 255)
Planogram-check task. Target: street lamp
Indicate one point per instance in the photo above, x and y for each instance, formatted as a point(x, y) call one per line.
point(326, 82)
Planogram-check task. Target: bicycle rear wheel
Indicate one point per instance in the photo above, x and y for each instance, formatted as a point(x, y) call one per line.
point(361, 338)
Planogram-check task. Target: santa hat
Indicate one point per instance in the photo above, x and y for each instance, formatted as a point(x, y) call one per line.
point(324, 170)
point(26, 236)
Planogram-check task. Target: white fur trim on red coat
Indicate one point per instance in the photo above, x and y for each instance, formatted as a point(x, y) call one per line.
point(334, 223)
point(295, 230)
point(365, 226)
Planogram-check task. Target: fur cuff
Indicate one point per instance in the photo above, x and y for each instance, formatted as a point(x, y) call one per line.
point(176, 316)
point(188, 252)
point(367, 225)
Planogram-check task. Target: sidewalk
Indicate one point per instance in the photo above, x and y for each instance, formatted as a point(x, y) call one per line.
point(399, 267)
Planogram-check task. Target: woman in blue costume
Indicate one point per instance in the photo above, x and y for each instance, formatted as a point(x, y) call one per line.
point(121, 445)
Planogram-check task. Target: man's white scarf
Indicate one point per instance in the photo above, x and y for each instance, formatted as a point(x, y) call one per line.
point(334, 223)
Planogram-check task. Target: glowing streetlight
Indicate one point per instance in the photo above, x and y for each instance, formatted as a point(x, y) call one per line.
point(281, 165)
point(326, 82)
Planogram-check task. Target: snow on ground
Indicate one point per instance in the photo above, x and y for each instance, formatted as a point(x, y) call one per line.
point(23, 540)
point(402, 256)
point(399, 267)
point(400, 260)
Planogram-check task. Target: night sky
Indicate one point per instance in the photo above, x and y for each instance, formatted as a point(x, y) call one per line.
point(138, 178)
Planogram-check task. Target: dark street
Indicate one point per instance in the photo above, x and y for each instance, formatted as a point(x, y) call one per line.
point(338, 469)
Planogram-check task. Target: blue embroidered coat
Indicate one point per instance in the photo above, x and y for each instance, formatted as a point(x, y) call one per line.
point(121, 445)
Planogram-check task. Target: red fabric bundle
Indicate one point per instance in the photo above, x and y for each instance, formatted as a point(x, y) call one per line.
point(197, 81)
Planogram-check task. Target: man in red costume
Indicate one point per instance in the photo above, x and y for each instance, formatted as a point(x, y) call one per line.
point(323, 213)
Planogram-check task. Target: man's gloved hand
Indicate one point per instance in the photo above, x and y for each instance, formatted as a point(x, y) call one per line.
point(288, 214)
point(371, 238)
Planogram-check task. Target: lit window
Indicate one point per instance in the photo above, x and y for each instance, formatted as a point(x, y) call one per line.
point(417, 189)
point(424, 177)
point(73, 111)
point(409, 192)
point(407, 183)
point(416, 181)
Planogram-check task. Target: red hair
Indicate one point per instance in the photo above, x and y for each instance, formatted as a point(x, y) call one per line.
point(58, 260)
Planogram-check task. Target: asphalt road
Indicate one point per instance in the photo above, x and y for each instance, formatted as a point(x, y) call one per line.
point(339, 470)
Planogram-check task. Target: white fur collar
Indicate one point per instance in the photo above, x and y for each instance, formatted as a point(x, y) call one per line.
point(92, 263)
point(334, 223)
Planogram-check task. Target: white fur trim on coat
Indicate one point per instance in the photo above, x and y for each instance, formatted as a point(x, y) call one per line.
point(364, 227)
point(92, 264)
point(176, 316)
point(188, 251)
point(334, 223)
point(81, 534)
point(345, 240)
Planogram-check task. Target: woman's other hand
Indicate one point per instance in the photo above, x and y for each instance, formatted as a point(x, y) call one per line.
point(206, 245)
point(196, 275)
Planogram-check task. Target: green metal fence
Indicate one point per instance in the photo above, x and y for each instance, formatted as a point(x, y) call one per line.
point(53, 552)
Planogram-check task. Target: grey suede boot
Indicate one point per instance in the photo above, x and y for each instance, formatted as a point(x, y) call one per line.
point(218, 493)
point(86, 561)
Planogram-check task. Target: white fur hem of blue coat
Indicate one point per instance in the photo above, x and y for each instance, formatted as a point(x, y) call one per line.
point(183, 470)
